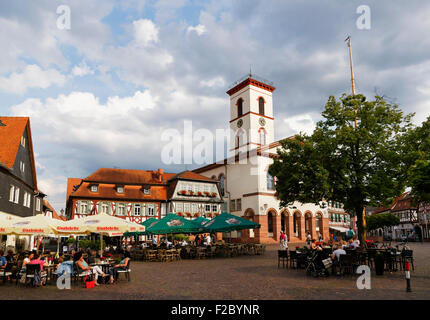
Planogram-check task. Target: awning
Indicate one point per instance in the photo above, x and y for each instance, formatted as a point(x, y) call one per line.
point(341, 229)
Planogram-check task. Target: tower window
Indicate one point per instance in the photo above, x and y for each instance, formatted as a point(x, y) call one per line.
point(261, 106)
point(262, 137)
point(239, 138)
point(240, 107)
point(270, 182)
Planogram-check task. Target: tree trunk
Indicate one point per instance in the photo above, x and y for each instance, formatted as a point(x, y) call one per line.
point(361, 233)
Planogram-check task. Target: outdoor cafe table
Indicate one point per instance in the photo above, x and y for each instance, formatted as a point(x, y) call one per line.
point(104, 265)
point(50, 271)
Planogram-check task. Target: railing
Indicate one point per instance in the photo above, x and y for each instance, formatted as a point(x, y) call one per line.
point(252, 76)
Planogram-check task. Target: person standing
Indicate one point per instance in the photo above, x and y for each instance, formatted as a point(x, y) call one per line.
point(308, 239)
point(282, 240)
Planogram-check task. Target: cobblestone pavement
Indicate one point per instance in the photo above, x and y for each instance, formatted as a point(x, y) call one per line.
point(246, 277)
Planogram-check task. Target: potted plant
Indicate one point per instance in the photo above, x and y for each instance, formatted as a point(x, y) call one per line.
point(207, 193)
point(183, 192)
point(379, 263)
point(213, 194)
point(199, 194)
point(190, 193)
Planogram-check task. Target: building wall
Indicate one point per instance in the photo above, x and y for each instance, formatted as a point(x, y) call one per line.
point(6, 180)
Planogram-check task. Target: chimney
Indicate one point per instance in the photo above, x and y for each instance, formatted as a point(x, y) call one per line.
point(159, 174)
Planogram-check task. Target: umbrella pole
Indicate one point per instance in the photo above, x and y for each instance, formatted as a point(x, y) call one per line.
point(101, 242)
point(58, 245)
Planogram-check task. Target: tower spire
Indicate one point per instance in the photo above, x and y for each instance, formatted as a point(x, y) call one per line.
point(348, 41)
point(250, 71)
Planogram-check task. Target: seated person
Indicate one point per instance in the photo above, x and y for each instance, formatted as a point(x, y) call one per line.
point(39, 261)
point(121, 266)
point(314, 246)
point(83, 265)
point(354, 238)
point(338, 251)
point(65, 266)
point(26, 260)
point(352, 244)
point(10, 258)
point(3, 260)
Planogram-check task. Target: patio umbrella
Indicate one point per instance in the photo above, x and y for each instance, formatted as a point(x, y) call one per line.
point(35, 225)
point(200, 221)
point(173, 224)
point(6, 226)
point(226, 222)
point(146, 224)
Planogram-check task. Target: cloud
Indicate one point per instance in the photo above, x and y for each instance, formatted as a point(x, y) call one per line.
point(199, 29)
point(299, 123)
point(31, 77)
point(145, 32)
point(82, 70)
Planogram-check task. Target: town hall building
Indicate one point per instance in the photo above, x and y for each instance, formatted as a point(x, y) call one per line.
point(246, 185)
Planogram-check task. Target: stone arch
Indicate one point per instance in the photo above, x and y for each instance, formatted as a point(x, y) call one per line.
point(319, 224)
point(286, 222)
point(249, 234)
point(309, 224)
point(272, 223)
point(298, 225)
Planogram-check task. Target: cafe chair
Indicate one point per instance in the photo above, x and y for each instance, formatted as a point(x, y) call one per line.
point(126, 272)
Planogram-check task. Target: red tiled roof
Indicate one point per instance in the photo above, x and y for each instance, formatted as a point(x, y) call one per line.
point(131, 192)
point(54, 213)
point(189, 175)
point(128, 176)
point(10, 137)
point(71, 183)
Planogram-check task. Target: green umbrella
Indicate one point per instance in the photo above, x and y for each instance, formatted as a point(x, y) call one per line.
point(226, 222)
point(146, 223)
point(173, 224)
point(200, 221)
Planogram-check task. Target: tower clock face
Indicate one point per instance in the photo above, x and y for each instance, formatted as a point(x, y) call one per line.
point(262, 121)
point(239, 123)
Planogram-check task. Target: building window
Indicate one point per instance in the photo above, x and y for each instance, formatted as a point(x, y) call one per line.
point(262, 137)
point(25, 199)
point(11, 193)
point(195, 208)
point(187, 207)
point(151, 210)
point(179, 207)
point(94, 188)
point(233, 205)
point(239, 138)
point(22, 166)
point(120, 189)
point(214, 208)
point(16, 198)
point(146, 190)
point(270, 222)
point(83, 207)
point(120, 210)
point(105, 208)
point(38, 202)
point(239, 204)
point(261, 106)
point(240, 107)
point(137, 209)
point(23, 141)
point(270, 182)
point(221, 184)
point(207, 207)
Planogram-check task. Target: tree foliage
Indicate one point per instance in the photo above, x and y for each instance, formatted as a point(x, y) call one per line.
point(355, 166)
point(417, 151)
point(381, 220)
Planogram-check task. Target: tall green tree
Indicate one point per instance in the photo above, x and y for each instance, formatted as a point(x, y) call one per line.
point(417, 152)
point(355, 165)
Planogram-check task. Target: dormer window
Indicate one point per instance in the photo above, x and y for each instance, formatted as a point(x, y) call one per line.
point(120, 189)
point(94, 188)
point(23, 141)
point(146, 190)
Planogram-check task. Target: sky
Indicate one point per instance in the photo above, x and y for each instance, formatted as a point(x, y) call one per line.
point(101, 90)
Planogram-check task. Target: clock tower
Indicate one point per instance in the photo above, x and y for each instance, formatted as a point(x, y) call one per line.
point(251, 114)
